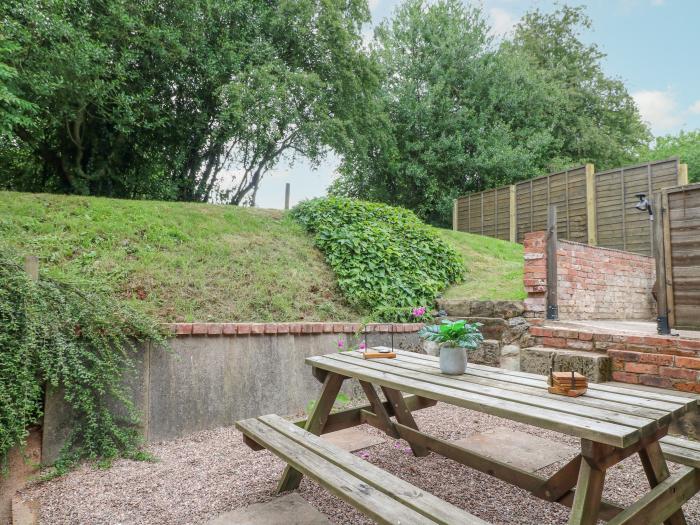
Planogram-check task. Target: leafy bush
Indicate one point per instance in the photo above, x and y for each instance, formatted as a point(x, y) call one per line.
point(387, 261)
point(74, 338)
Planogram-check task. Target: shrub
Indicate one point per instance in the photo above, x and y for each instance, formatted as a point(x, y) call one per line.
point(387, 261)
point(72, 337)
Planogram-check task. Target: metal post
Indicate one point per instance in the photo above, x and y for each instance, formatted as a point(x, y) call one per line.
point(552, 306)
point(287, 190)
point(662, 324)
point(31, 266)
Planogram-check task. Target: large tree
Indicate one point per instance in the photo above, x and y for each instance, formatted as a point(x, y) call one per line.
point(457, 112)
point(598, 120)
point(180, 99)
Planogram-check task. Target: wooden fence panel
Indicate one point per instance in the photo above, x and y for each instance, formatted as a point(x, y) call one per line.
point(614, 221)
point(683, 254)
point(619, 224)
point(566, 190)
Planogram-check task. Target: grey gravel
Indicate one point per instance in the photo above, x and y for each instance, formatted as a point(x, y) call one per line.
point(208, 473)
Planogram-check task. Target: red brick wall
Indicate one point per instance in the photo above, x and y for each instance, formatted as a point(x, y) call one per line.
point(593, 282)
point(287, 328)
point(661, 370)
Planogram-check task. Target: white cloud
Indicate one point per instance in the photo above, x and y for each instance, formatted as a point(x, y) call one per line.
point(695, 108)
point(502, 21)
point(659, 109)
point(373, 4)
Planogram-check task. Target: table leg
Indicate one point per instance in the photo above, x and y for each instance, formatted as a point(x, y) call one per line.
point(378, 408)
point(404, 416)
point(589, 492)
point(657, 471)
point(317, 420)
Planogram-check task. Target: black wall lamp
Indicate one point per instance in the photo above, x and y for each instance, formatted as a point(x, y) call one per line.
point(644, 204)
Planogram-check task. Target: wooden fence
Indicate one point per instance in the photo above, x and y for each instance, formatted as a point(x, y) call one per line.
point(593, 208)
point(678, 255)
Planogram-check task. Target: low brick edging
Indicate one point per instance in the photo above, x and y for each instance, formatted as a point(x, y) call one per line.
point(660, 361)
point(301, 328)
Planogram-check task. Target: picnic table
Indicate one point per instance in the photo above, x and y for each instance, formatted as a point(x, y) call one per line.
point(612, 423)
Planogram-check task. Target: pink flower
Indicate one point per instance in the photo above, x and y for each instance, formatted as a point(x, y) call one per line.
point(340, 343)
point(419, 311)
point(362, 346)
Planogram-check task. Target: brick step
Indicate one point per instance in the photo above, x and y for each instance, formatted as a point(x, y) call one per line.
point(537, 360)
point(600, 340)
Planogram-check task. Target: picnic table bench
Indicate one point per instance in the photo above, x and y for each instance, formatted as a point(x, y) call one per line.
point(612, 423)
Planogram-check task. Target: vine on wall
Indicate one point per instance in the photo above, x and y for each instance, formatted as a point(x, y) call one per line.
point(75, 337)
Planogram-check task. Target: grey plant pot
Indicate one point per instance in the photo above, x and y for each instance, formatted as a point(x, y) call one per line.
point(453, 360)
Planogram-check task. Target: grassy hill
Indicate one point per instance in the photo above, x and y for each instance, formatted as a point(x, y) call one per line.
point(184, 261)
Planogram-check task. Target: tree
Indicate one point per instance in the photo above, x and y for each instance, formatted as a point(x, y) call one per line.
point(458, 113)
point(685, 146)
point(160, 99)
point(453, 114)
point(598, 120)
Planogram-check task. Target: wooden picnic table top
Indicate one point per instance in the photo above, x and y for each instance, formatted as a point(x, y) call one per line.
point(605, 414)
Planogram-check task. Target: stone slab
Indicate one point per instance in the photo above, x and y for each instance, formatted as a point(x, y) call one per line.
point(290, 509)
point(516, 448)
point(537, 360)
point(352, 439)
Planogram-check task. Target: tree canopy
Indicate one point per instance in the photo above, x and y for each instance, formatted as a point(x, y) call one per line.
point(459, 112)
point(175, 99)
point(685, 145)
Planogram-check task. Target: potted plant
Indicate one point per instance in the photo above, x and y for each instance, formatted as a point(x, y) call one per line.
point(454, 338)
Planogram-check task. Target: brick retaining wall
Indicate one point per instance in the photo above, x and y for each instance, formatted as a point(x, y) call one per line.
point(289, 328)
point(593, 282)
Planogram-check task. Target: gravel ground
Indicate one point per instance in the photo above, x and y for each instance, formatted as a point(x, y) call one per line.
point(212, 472)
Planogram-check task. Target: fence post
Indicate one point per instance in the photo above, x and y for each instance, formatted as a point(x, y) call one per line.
point(682, 174)
point(455, 215)
point(287, 191)
point(662, 322)
point(31, 266)
point(591, 219)
point(513, 214)
point(552, 245)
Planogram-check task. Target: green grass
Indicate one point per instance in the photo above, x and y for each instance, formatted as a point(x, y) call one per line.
point(178, 261)
point(203, 262)
point(494, 268)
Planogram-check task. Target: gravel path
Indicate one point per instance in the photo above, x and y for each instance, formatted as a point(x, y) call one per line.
point(211, 472)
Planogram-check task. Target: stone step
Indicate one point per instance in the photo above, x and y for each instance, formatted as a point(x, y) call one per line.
point(537, 360)
point(471, 308)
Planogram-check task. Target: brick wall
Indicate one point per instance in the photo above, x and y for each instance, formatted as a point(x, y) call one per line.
point(289, 328)
point(593, 282)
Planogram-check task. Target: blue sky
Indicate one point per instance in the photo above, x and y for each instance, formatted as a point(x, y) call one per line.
point(653, 46)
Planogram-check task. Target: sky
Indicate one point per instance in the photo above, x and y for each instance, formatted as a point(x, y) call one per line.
point(653, 46)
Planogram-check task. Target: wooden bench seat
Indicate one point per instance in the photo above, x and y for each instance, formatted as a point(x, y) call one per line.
point(680, 450)
point(378, 494)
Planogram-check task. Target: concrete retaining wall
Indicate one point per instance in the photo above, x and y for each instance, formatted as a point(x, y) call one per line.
point(219, 376)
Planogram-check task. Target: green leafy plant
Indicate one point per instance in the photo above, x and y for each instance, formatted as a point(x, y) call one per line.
point(78, 340)
point(458, 333)
point(386, 260)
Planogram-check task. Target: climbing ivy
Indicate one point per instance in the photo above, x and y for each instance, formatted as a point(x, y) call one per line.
point(78, 339)
point(386, 259)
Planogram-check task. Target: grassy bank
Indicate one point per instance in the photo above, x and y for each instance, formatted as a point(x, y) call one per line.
point(184, 261)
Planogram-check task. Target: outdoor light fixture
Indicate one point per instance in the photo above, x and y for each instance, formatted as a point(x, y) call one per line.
point(644, 204)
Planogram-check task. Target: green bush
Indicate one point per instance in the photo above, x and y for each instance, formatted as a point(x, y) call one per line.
point(76, 338)
point(387, 261)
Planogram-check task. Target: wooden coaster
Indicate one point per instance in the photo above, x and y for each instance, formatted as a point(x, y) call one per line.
point(378, 355)
point(566, 391)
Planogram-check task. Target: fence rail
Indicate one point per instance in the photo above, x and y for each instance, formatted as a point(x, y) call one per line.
point(593, 208)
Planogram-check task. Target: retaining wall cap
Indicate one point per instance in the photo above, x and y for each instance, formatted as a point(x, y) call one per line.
point(232, 329)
